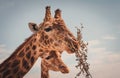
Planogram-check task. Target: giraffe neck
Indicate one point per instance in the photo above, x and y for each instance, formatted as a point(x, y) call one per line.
point(21, 61)
point(44, 70)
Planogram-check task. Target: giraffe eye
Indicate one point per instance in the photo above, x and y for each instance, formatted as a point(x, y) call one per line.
point(49, 57)
point(48, 29)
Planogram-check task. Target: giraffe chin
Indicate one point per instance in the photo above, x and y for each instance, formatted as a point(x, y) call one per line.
point(65, 71)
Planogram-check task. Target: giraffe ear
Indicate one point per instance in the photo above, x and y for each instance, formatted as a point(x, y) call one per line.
point(33, 27)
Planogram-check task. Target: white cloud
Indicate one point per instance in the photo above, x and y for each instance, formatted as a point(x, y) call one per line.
point(94, 42)
point(104, 63)
point(109, 37)
point(101, 55)
point(2, 48)
point(105, 70)
point(2, 45)
point(4, 53)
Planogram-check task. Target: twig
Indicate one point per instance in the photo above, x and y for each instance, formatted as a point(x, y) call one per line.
point(81, 56)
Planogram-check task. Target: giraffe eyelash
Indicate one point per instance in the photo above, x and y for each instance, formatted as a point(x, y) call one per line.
point(48, 29)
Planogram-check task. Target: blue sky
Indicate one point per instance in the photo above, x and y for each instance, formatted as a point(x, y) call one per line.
point(101, 19)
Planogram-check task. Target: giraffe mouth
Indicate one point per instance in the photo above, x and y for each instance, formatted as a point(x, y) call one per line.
point(72, 45)
point(64, 69)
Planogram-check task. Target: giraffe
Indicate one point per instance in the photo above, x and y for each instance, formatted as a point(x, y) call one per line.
point(51, 35)
point(52, 63)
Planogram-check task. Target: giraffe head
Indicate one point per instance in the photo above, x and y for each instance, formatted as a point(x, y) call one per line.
point(53, 33)
point(54, 62)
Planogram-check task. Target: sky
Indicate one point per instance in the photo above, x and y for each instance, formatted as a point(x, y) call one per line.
point(101, 21)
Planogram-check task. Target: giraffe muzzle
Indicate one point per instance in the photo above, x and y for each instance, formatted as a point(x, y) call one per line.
point(64, 69)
